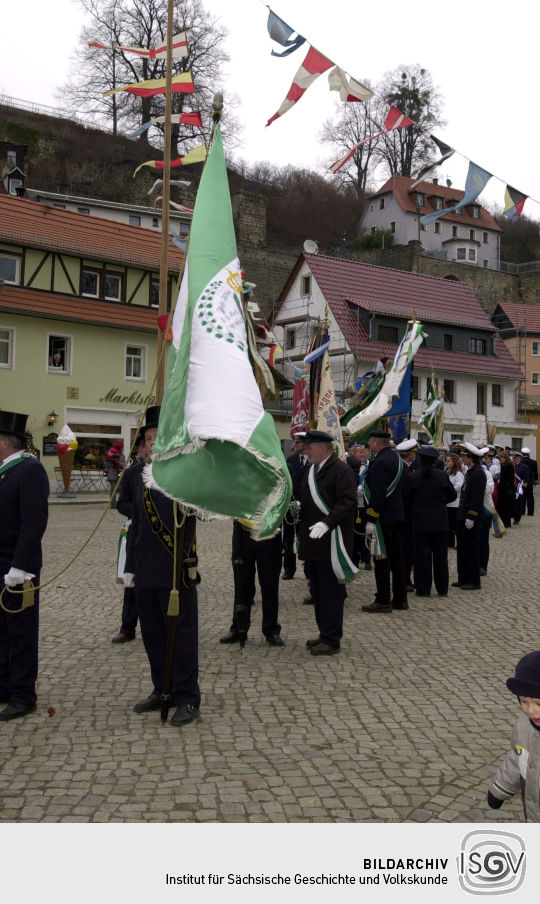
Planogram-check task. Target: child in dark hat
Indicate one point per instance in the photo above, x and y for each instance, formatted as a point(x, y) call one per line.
point(521, 767)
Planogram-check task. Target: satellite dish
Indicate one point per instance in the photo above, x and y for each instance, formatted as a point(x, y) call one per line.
point(311, 247)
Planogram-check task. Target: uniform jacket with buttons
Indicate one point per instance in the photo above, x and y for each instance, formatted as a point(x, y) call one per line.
point(380, 474)
point(337, 485)
point(471, 501)
point(428, 496)
point(24, 492)
point(520, 770)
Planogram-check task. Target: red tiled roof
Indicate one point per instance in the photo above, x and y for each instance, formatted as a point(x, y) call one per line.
point(397, 293)
point(399, 186)
point(33, 302)
point(522, 316)
point(30, 223)
point(348, 284)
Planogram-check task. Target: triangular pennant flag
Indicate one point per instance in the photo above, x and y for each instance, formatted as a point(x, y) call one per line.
point(349, 89)
point(514, 202)
point(195, 155)
point(180, 84)
point(394, 120)
point(179, 48)
point(313, 66)
point(217, 452)
point(282, 33)
point(477, 179)
point(446, 153)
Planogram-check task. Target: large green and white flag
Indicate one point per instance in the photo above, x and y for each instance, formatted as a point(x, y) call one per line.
point(216, 448)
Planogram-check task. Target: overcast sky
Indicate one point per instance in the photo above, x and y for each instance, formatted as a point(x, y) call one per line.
point(483, 58)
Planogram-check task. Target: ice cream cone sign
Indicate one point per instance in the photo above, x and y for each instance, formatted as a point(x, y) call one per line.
point(66, 445)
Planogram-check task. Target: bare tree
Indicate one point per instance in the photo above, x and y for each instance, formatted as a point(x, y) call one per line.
point(143, 23)
point(411, 90)
point(403, 151)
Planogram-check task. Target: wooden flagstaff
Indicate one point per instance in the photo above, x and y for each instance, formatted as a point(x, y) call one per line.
point(164, 259)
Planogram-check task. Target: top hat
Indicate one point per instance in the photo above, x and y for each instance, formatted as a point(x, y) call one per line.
point(151, 420)
point(13, 424)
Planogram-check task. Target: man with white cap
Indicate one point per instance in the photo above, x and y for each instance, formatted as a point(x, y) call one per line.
point(533, 479)
point(468, 519)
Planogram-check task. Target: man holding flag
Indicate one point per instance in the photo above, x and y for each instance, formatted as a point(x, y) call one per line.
point(328, 508)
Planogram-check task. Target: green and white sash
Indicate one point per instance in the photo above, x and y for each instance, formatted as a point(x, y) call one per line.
point(380, 547)
point(342, 566)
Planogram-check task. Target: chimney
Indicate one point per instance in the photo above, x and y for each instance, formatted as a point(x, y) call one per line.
point(435, 180)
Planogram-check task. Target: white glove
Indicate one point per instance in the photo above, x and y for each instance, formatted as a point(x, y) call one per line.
point(15, 576)
point(318, 530)
point(469, 523)
point(370, 528)
point(128, 579)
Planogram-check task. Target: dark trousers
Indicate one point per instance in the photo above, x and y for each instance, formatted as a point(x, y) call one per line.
point(468, 553)
point(483, 541)
point(152, 604)
point(360, 552)
point(407, 540)
point(431, 559)
point(329, 599)
point(529, 498)
point(452, 512)
point(263, 557)
point(393, 566)
point(129, 612)
point(19, 648)
point(289, 554)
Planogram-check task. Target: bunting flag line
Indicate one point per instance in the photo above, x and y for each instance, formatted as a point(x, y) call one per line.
point(446, 152)
point(394, 120)
point(349, 89)
point(513, 203)
point(173, 204)
point(282, 33)
point(188, 119)
point(219, 456)
point(180, 84)
point(314, 65)
point(159, 182)
point(179, 48)
point(477, 179)
point(195, 155)
point(275, 352)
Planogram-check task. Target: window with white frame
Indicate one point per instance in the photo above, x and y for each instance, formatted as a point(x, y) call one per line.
point(535, 350)
point(12, 158)
point(135, 367)
point(113, 287)
point(485, 237)
point(456, 437)
point(134, 220)
point(290, 338)
point(454, 232)
point(381, 203)
point(305, 285)
point(15, 186)
point(472, 235)
point(437, 227)
point(461, 254)
point(10, 268)
point(90, 283)
point(392, 226)
point(7, 345)
point(438, 204)
point(472, 254)
point(535, 378)
point(154, 293)
point(496, 394)
point(58, 354)
point(475, 212)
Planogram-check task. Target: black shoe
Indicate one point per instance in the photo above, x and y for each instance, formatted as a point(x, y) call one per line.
point(471, 586)
point(231, 637)
point(367, 566)
point(287, 576)
point(417, 593)
point(184, 714)
point(440, 593)
point(16, 711)
point(308, 601)
point(482, 572)
point(404, 605)
point(149, 705)
point(377, 607)
point(122, 637)
point(323, 649)
point(410, 588)
point(275, 640)
point(455, 584)
point(314, 642)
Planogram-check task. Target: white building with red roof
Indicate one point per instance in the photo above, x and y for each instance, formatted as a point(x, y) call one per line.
point(469, 235)
point(368, 308)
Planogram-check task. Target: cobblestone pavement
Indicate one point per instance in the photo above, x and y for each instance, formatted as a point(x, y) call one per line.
point(407, 724)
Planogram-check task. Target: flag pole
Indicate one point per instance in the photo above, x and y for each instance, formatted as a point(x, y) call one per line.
point(163, 264)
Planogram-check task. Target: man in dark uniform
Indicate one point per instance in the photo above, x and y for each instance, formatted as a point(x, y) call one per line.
point(149, 566)
point(408, 450)
point(427, 494)
point(469, 516)
point(385, 515)
point(533, 479)
point(523, 474)
point(125, 507)
point(24, 491)
point(297, 464)
point(328, 508)
point(264, 557)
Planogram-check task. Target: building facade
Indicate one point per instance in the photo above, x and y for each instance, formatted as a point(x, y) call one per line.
point(367, 309)
point(78, 324)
